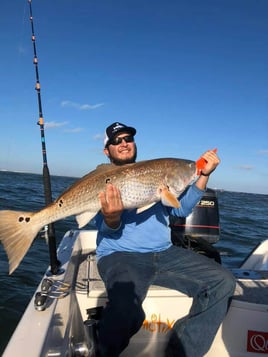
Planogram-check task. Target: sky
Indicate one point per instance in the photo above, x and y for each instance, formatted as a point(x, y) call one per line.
point(189, 75)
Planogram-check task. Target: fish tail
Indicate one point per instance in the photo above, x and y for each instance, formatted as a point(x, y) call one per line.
point(17, 232)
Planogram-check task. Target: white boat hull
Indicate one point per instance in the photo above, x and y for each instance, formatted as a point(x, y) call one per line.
point(59, 329)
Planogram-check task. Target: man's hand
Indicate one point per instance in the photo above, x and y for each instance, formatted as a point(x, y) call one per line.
point(111, 205)
point(212, 161)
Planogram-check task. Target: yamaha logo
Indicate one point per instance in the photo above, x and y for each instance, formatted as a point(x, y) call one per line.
point(257, 342)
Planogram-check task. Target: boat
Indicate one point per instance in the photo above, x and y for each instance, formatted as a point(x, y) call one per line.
point(62, 316)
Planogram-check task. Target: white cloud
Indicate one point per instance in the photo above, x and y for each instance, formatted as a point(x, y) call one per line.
point(99, 137)
point(74, 130)
point(246, 167)
point(53, 124)
point(67, 103)
point(263, 152)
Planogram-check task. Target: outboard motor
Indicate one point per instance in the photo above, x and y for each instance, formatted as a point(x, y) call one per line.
point(200, 229)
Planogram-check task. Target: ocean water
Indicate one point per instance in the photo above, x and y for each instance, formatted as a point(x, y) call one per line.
point(243, 221)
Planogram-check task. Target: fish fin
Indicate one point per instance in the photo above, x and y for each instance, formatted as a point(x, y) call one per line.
point(104, 167)
point(201, 163)
point(168, 198)
point(109, 167)
point(84, 217)
point(17, 232)
point(144, 208)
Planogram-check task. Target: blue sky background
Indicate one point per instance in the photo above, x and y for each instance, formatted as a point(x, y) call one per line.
point(190, 75)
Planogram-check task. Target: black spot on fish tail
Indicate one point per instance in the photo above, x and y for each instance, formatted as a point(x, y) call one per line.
point(61, 202)
point(26, 219)
point(17, 231)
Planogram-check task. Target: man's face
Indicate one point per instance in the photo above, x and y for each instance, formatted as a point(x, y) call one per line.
point(122, 151)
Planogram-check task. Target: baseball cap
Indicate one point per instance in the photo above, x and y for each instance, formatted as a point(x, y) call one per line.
point(116, 128)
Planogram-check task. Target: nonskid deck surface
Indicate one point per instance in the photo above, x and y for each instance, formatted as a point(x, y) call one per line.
point(253, 290)
point(88, 273)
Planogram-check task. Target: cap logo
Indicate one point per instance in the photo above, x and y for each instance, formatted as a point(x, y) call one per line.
point(117, 126)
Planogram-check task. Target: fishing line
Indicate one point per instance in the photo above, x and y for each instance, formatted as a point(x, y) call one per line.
point(54, 263)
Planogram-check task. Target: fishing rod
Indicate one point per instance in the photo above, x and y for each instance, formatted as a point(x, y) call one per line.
point(54, 263)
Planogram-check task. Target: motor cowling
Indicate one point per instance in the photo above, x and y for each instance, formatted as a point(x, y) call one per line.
point(201, 228)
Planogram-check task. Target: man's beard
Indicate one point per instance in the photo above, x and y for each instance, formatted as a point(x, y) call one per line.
point(120, 162)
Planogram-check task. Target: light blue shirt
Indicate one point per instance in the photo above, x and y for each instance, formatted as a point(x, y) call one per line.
point(143, 232)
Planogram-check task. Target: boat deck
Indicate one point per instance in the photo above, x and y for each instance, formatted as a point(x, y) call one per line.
point(90, 285)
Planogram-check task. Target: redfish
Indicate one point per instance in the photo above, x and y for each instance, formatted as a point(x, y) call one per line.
point(141, 185)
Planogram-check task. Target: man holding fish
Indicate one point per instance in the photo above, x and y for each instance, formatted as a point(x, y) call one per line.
point(131, 202)
point(134, 251)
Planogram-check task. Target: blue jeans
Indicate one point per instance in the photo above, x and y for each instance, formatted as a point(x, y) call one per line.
point(128, 276)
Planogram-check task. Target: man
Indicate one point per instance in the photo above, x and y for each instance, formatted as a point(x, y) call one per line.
point(135, 251)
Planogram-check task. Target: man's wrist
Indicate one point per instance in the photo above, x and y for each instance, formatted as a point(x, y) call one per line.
point(112, 222)
point(202, 174)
